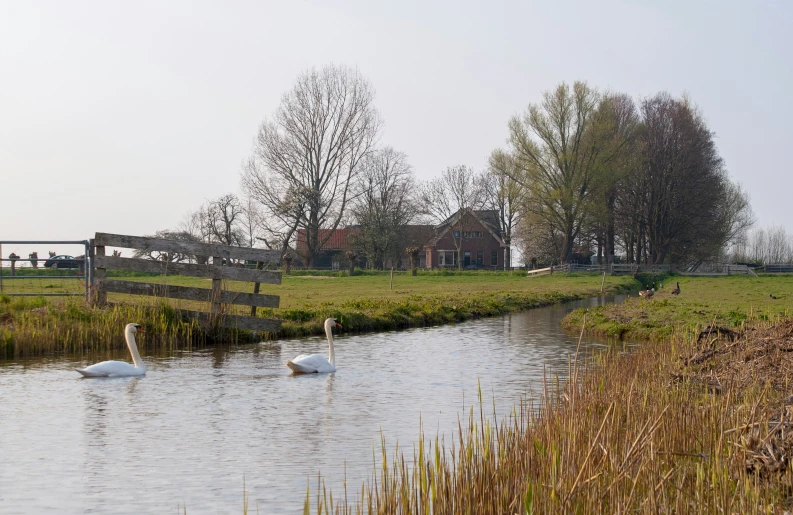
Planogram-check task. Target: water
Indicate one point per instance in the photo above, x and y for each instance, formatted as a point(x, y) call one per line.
point(199, 424)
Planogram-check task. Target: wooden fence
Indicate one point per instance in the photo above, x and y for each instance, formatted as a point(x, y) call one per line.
point(218, 270)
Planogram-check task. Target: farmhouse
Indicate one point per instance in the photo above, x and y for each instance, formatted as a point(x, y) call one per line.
point(469, 238)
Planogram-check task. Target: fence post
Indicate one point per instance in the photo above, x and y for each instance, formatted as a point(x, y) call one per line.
point(602, 282)
point(87, 268)
point(391, 285)
point(100, 295)
point(90, 255)
point(217, 286)
point(259, 266)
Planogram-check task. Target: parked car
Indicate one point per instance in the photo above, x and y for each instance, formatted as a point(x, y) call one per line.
point(63, 262)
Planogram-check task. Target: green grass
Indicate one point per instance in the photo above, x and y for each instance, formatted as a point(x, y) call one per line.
point(31, 326)
point(729, 301)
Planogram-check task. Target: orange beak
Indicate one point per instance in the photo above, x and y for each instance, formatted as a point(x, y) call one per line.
point(141, 330)
point(338, 325)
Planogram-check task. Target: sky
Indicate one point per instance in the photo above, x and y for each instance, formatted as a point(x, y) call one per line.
point(122, 117)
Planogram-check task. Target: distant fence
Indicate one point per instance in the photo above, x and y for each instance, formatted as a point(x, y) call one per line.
point(34, 274)
point(221, 268)
point(776, 269)
point(627, 269)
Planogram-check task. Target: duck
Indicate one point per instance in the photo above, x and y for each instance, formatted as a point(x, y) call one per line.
point(676, 291)
point(647, 293)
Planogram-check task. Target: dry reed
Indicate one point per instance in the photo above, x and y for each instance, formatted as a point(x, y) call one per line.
point(636, 432)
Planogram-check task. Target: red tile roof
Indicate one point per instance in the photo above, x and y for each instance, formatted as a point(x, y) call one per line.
point(338, 240)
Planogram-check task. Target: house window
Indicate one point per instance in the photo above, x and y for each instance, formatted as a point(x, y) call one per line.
point(447, 258)
point(479, 234)
point(480, 257)
point(466, 258)
point(494, 258)
point(456, 234)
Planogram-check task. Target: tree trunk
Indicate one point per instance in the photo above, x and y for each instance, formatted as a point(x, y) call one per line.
point(567, 244)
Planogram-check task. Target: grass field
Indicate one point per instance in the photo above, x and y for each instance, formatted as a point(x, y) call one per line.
point(725, 301)
point(34, 325)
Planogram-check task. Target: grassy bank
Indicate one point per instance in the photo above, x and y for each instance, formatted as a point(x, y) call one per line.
point(34, 326)
point(726, 301)
point(687, 425)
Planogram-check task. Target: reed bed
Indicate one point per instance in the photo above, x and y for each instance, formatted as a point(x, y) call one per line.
point(659, 429)
point(32, 326)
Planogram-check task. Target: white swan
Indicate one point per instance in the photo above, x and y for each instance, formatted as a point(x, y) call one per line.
point(316, 363)
point(119, 368)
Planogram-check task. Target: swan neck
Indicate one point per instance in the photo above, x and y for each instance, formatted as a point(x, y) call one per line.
point(331, 354)
point(133, 349)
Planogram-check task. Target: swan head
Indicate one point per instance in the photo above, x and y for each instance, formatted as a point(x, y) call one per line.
point(135, 328)
point(330, 323)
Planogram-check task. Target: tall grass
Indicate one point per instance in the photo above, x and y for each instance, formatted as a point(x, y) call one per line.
point(622, 436)
point(32, 326)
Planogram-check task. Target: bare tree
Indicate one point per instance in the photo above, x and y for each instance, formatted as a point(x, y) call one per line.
point(223, 216)
point(251, 222)
point(384, 205)
point(502, 193)
point(450, 200)
point(692, 210)
point(168, 257)
point(306, 157)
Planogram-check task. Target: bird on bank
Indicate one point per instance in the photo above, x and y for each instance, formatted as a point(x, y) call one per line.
point(676, 291)
point(773, 296)
point(120, 368)
point(647, 293)
point(316, 363)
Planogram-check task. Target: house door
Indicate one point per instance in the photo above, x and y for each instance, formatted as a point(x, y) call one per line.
point(466, 258)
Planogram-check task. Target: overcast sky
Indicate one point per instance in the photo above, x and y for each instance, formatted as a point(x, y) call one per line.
point(124, 116)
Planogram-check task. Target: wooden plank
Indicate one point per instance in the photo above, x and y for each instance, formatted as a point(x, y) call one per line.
point(185, 247)
point(271, 325)
point(256, 288)
point(189, 293)
point(100, 295)
point(217, 287)
point(211, 272)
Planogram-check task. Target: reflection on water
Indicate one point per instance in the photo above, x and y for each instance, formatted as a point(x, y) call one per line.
point(187, 432)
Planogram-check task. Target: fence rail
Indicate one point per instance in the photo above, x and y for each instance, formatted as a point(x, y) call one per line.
point(224, 252)
point(221, 268)
point(776, 268)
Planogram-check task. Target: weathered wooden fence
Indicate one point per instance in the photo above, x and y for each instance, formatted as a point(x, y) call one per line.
point(221, 268)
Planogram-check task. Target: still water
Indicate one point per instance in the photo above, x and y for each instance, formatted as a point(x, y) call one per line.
point(201, 424)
